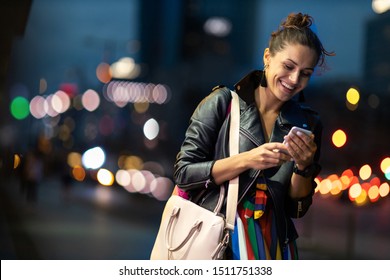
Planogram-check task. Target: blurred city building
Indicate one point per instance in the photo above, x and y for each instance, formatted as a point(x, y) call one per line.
point(377, 56)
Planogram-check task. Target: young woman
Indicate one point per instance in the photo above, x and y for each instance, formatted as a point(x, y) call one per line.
point(276, 168)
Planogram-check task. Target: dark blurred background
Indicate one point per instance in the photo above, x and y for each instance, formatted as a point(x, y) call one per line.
point(95, 97)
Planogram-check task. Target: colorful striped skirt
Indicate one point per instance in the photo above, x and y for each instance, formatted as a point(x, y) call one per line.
point(255, 236)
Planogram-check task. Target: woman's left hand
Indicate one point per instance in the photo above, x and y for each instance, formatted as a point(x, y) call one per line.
point(301, 147)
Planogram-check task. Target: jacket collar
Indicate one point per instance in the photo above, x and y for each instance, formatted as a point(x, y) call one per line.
point(246, 87)
point(291, 113)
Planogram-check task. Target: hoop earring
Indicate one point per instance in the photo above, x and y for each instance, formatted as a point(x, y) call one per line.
point(263, 81)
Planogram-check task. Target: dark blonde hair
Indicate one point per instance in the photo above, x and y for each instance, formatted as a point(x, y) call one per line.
point(295, 29)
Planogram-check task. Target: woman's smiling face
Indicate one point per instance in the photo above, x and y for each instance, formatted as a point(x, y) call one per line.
point(289, 70)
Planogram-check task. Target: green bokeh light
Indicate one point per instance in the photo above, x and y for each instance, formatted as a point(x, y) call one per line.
point(20, 108)
point(387, 173)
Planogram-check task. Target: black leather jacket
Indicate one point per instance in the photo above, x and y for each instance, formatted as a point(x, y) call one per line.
point(206, 141)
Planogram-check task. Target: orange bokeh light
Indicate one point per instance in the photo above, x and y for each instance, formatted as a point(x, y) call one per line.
point(103, 72)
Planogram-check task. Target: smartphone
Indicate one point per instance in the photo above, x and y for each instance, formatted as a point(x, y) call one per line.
point(296, 129)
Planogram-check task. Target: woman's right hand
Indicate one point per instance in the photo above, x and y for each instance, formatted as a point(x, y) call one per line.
point(267, 155)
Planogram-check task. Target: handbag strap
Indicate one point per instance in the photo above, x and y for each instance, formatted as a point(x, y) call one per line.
point(232, 196)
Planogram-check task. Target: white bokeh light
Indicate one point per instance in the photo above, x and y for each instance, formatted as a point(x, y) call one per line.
point(151, 129)
point(93, 158)
point(218, 26)
point(380, 6)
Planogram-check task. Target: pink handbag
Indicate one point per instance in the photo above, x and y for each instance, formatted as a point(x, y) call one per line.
point(191, 232)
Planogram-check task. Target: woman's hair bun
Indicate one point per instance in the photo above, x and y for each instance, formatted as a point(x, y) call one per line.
point(297, 21)
point(296, 29)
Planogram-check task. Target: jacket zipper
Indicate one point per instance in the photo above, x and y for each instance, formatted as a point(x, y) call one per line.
point(299, 210)
point(206, 183)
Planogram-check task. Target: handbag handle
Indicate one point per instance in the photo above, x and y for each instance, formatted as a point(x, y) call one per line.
point(234, 131)
point(197, 226)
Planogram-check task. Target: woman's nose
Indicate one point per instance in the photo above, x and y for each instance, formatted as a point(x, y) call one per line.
point(294, 77)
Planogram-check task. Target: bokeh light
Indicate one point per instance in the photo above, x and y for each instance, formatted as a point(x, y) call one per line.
point(49, 106)
point(144, 182)
point(325, 186)
point(355, 191)
point(362, 189)
point(149, 177)
point(103, 72)
point(141, 107)
point(74, 159)
point(130, 162)
point(105, 177)
point(38, 107)
point(123, 178)
point(161, 188)
point(125, 68)
point(90, 100)
point(94, 158)
point(365, 172)
point(361, 199)
point(60, 102)
point(373, 193)
point(384, 189)
point(151, 129)
point(123, 92)
point(42, 85)
point(217, 26)
point(385, 165)
point(17, 161)
point(70, 88)
point(353, 96)
point(339, 138)
point(380, 6)
point(160, 94)
point(20, 108)
point(337, 187)
point(138, 181)
point(78, 173)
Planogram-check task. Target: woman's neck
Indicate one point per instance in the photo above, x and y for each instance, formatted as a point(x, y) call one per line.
point(266, 101)
point(269, 108)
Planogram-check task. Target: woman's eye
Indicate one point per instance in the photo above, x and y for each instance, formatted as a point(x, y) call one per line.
point(288, 67)
point(306, 74)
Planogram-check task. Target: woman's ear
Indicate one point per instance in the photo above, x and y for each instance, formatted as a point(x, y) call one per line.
point(266, 56)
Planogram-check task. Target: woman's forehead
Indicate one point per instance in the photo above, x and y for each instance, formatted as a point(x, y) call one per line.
point(301, 55)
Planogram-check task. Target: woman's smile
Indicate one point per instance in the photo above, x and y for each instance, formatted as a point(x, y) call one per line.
point(290, 88)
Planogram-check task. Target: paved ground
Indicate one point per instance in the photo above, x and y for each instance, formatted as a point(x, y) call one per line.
point(85, 221)
point(81, 222)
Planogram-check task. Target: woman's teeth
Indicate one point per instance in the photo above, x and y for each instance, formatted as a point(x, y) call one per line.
point(287, 86)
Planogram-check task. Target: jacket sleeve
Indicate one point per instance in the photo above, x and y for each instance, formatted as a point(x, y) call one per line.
point(192, 168)
point(297, 208)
